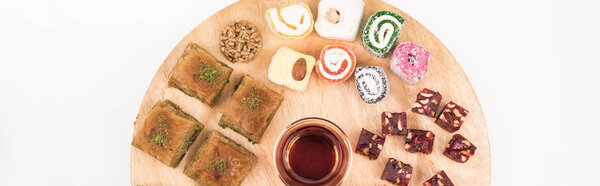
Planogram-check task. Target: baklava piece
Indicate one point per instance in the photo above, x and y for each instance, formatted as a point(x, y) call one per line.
point(459, 149)
point(452, 117)
point(439, 179)
point(220, 161)
point(397, 172)
point(419, 141)
point(199, 74)
point(428, 102)
point(369, 144)
point(250, 109)
point(393, 123)
point(167, 133)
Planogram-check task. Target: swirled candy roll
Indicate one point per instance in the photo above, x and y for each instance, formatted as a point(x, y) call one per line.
point(292, 20)
point(339, 19)
point(291, 69)
point(409, 61)
point(372, 83)
point(381, 31)
point(336, 63)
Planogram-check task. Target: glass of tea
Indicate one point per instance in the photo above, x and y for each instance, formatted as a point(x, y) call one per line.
point(312, 151)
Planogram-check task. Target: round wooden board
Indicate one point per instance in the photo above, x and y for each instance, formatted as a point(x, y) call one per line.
point(338, 102)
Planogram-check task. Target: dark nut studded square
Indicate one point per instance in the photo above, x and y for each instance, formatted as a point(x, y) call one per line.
point(419, 141)
point(369, 144)
point(459, 149)
point(452, 117)
point(427, 102)
point(393, 123)
point(397, 172)
point(440, 179)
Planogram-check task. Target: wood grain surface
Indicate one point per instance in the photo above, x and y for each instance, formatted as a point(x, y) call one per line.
point(338, 102)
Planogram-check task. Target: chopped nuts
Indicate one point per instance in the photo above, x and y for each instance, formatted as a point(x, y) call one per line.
point(240, 42)
point(426, 94)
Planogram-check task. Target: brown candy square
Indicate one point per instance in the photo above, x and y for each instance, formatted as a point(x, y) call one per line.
point(459, 149)
point(427, 102)
point(419, 141)
point(452, 117)
point(393, 123)
point(440, 179)
point(397, 172)
point(369, 144)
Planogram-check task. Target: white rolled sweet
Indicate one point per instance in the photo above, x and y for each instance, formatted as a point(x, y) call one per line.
point(350, 16)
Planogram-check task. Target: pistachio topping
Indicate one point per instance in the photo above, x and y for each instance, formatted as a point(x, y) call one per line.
point(161, 136)
point(219, 164)
point(252, 101)
point(209, 74)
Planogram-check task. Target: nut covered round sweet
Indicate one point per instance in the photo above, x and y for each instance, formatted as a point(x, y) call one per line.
point(240, 42)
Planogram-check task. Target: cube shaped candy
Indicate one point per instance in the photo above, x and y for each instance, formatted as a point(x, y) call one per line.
point(428, 102)
point(369, 144)
point(339, 19)
point(452, 117)
point(291, 69)
point(410, 61)
point(397, 172)
point(459, 149)
point(419, 141)
point(439, 179)
point(393, 123)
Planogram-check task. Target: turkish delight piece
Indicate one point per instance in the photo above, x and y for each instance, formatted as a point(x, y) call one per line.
point(409, 61)
point(372, 83)
point(459, 149)
point(428, 102)
point(452, 117)
point(291, 21)
point(419, 141)
point(291, 69)
point(339, 19)
point(440, 179)
point(397, 172)
point(369, 144)
point(336, 63)
point(393, 123)
point(381, 31)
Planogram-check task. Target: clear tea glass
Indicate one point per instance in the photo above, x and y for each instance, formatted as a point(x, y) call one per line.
point(302, 156)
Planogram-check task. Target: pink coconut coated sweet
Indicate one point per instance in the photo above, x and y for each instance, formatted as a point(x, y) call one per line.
point(409, 61)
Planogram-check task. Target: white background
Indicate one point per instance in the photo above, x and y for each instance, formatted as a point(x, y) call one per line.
point(73, 74)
